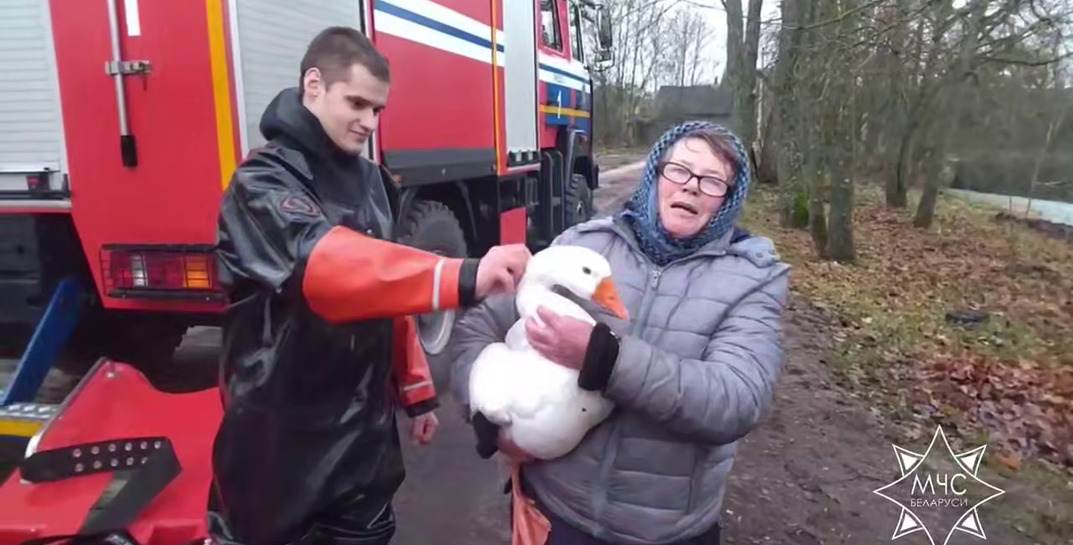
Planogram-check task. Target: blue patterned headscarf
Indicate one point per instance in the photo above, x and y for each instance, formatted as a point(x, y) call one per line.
point(642, 211)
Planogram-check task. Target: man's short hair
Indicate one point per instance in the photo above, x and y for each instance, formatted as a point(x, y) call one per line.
point(338, 48)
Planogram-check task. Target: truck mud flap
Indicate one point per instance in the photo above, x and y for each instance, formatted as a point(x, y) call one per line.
point(120, 462)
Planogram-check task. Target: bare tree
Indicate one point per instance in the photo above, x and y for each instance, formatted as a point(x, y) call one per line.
point(785, 101)
point(905, 85)
point(742, 50)
point(951, 103)
point(637, 63)
point(895, 53)
point(688, 35)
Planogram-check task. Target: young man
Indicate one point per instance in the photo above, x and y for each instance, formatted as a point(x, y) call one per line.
point(308, 451)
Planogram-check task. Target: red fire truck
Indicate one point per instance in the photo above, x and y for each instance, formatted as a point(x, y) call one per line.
point(121, 122)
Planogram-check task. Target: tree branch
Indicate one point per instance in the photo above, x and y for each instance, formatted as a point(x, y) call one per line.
point(838, 18)
point(1022, 62)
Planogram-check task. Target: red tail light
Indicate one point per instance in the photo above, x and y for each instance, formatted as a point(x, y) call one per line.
point(144, 269)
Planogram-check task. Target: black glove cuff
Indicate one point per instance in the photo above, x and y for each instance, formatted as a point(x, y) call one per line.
point(600, 358)
point(422, 407)
point(467, 282)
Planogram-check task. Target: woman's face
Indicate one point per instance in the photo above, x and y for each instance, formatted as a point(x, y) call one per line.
point(684, 208)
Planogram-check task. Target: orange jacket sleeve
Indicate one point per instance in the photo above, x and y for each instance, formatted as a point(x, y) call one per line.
point(412, 373)
point(350, 276)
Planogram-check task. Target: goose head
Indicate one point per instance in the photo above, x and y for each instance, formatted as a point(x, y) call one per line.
point(579, 270)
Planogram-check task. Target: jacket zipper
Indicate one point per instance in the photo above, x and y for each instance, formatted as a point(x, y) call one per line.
point(599, 496)
point(600, 492)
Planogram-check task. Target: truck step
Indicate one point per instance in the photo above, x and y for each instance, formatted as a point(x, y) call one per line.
point(25, 419)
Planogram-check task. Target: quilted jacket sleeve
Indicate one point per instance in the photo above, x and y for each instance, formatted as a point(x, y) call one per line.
point(479, 327)
point(721, 396)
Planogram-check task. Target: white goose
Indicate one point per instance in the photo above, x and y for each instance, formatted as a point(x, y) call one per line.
point(537, 402)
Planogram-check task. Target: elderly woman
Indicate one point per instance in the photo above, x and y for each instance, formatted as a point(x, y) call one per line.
point(690, 374)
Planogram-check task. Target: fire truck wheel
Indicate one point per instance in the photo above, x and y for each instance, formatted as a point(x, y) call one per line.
point(13, 341)
point(431, 226)
point(147, 344)
point(578, 200)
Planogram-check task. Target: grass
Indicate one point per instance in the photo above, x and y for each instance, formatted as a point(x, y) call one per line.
point(905, 280)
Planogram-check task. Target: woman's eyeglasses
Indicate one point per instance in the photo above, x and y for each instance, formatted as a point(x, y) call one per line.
point(679, 174)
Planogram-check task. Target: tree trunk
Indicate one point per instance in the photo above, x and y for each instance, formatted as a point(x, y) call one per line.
point(1042, 154)
point(810, 139)
point(767, 170)
point(898, 176)
point(817, 217)
point(840, 245)
point(732, 75)
point(933, 181)
point(782, 139)
point(843, 155)
point(898, 156)
point(953, 99)
point(745, 77)
point(813, 136)
point(922, 78)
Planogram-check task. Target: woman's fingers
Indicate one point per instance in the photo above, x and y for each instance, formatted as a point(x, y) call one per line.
point(535, 331)
point(549, 317)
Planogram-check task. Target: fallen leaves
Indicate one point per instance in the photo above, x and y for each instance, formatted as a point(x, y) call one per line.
point(1025, 406)
point(1010, 376)
point(1011, 461)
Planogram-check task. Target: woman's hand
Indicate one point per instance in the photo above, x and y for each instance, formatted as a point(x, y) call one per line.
point(561, 339)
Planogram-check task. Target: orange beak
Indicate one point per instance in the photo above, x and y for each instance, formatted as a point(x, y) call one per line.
point(607, 296)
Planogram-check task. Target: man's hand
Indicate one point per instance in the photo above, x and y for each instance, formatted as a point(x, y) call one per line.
point(561, 339)
point(501, 269)
point(423, 427)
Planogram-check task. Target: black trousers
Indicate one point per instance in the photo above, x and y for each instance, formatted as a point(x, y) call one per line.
point(358, 520)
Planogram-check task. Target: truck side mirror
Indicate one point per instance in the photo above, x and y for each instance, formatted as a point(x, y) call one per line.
point(603, 27)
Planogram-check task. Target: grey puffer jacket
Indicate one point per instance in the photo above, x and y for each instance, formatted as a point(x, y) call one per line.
point(695, 372)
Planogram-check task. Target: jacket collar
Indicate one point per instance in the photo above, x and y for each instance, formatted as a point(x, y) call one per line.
point(737, 242)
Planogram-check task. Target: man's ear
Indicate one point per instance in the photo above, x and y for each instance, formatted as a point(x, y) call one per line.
point(312, 83)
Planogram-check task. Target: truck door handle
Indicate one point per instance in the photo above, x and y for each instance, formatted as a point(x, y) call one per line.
point(118, 68)
point(127, 68)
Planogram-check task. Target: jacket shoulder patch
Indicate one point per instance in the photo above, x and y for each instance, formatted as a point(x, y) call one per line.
point(297, 204)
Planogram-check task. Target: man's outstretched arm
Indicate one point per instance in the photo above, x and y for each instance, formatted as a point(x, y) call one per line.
point(279, 237)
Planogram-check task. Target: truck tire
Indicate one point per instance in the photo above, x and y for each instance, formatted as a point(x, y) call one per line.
point(431, 226)
point(13, 339)
point(577, 200)
point(146, 342)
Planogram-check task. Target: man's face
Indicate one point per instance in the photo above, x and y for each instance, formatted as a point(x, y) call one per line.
point(349, 109)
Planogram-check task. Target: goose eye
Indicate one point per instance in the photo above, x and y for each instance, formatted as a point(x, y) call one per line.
point(586, 270)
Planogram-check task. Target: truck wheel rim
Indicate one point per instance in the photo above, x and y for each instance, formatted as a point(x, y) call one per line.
point(434, 330)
